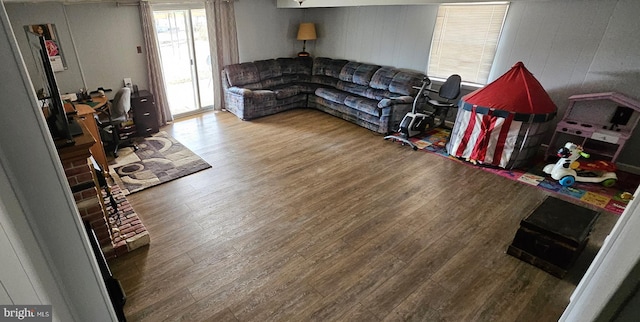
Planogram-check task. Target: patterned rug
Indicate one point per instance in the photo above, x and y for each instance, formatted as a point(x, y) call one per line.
point(598, 196)
point(159, 159)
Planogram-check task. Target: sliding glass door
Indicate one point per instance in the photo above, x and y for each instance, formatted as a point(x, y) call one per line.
point(186, 63)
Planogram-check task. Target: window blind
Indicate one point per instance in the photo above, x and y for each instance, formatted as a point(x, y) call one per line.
point(465, 39)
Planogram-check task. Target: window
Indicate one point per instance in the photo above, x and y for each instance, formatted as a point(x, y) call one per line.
point(465, 39)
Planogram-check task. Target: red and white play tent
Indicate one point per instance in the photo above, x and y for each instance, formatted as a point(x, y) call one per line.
point(503, 123)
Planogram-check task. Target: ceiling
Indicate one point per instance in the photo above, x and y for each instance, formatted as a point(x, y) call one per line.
point(355, 3)
point(291, 3)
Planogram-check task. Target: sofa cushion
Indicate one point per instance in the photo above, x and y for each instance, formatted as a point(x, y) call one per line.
point(253, 86)
point(297, 65)
point(268, 68)
point(352, 88)
point(242, 74)
point(324, 80)
point(403, 82)
point(364, 73)
point(347, 71)
point(383, 77)
point(274, 82)
point(327, 66)
point(286, 91)
point(331, 94)
point(265, 97)
point(345, 112)
point(377, 94)
point(358, 73)
point(362, 104)
point(308, 87)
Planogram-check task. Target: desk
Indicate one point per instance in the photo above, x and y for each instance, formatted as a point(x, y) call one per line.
point(85, 115)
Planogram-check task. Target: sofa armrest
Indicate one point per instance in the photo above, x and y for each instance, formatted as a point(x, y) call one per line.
point(393, 110)
point(388, 102)
point(240, 91)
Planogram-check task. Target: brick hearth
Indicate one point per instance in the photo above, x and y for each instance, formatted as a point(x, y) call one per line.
point(80, 175)
point(118, 232)
point(127, 231)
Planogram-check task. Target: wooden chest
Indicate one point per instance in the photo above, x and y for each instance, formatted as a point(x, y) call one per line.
point(553, 236)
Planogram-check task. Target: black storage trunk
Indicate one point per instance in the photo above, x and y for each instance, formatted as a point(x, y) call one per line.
point(553, 236)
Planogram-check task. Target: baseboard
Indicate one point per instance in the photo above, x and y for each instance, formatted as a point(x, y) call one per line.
point(628, 168)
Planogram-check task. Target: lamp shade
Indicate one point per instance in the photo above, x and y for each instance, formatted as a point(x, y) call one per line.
point(307, 31)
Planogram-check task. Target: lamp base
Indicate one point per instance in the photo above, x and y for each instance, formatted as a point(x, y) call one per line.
point(303, 54)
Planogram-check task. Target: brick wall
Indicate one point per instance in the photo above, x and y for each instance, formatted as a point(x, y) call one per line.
point(80, 175)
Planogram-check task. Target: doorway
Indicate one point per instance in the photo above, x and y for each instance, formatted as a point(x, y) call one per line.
point(183, 42)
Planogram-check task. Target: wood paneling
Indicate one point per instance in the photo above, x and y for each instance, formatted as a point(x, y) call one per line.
point(398, 36)
point(304, 216)
point(557, 41)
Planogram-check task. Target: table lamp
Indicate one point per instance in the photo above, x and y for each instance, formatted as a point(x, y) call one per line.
point(306, 31)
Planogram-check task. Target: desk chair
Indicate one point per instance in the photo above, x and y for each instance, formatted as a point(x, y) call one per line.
point(112, 121)
point(448, 93)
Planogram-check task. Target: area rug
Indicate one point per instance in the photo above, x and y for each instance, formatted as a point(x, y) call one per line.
point(609, 199)
point(159, 159)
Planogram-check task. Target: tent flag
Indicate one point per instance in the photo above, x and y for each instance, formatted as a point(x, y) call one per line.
point(503, 123)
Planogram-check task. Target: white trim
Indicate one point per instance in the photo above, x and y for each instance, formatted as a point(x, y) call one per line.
point(616, 259)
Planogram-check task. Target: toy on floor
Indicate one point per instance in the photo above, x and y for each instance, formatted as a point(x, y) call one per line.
point(626, 196)
point(568, 170)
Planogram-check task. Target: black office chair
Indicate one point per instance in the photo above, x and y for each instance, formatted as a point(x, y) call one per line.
point(115, 130)
point(448, 93)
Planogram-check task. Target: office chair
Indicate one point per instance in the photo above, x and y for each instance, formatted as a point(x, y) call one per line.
point(448, 93)
point(113, 127)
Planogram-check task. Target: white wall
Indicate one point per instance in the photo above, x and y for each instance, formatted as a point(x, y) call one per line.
point(557, 42)
point(266, 32)
point(22, 14)
point(104, 36)
point(398, 36)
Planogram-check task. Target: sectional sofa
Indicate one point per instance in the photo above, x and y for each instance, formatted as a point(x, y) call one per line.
point(371, 96)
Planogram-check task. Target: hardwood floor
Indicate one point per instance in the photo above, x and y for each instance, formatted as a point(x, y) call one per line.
point(305, 217)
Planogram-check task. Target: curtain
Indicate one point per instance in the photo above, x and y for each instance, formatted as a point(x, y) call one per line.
point(154, 68)
point(223, 42)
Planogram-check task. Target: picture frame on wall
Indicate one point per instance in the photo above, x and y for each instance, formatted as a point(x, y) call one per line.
point(48, 31)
